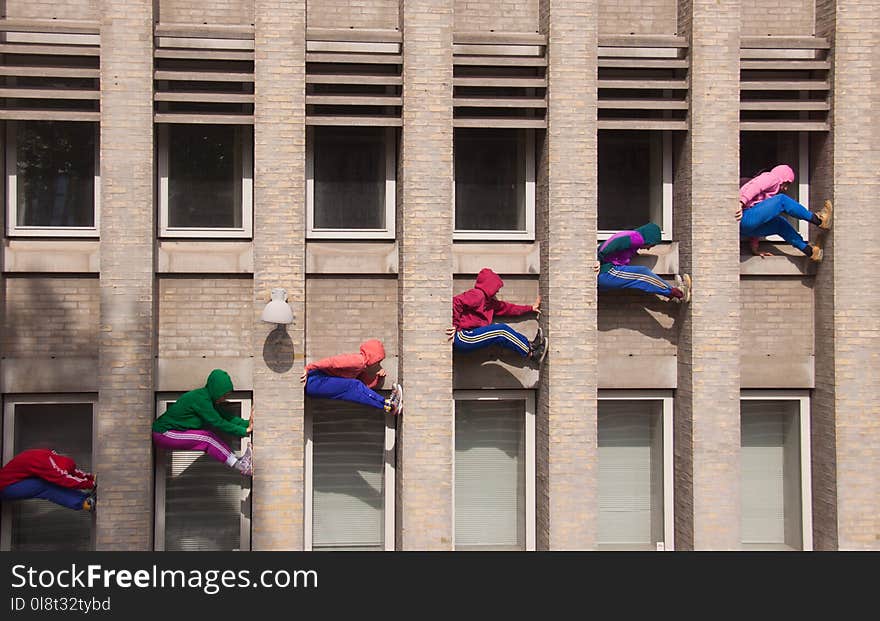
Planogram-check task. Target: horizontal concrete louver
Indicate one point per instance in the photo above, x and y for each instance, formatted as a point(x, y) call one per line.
point(204, 74)
point(643, 82)
point(500, 80)
point(49, 70)
point(784, 84)
point(354, 77)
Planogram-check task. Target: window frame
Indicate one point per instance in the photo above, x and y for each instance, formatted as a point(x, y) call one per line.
point(530, 453)
point(160, 473)
point(389, 490)
point(667, 415)
point(247, 190)
point(666, 193)
point(528, 234)
point(806, 458)
point(9, 403)
point(13, 229)
point(390, 230)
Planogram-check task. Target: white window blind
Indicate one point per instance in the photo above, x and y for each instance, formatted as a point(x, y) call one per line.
point(490, 510)
point(39, 525)
point(630, 474)
point(771, 485)
point(204, 499)
point(348, 460)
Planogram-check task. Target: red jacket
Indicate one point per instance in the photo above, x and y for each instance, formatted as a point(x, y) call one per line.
point(353, 366)
point(476, 307)
point(47, 465)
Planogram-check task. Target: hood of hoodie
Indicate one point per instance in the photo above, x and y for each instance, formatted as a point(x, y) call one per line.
point(373, 351)
point(488, 282)
point(783, 173)
point(218, 384)
point(650, 233)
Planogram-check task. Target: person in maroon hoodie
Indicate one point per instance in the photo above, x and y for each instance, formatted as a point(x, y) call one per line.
point(474, 310)
point(43, 473)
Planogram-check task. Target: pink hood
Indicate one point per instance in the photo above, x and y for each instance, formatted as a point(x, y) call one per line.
point(765, 185)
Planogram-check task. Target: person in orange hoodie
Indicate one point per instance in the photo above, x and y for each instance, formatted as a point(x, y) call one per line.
point(43, 473)
point(352, 377)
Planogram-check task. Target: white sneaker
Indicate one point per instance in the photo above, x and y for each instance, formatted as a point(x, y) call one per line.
point(245, 463)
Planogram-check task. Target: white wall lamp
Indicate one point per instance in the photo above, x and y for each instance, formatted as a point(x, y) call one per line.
point(278, 310)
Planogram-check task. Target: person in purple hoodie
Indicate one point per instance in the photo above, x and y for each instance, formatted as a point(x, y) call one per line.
point(615, 272)
point(762, 203)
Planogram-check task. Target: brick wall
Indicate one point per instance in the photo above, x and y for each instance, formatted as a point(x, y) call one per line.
point(49, 9)
point(777, 316)
point(638, 17)
point(354, 14)
point(234, 12)
point(205, 317)
point(781, 17)
point(637, 324)
point(51, 316)
point(497, 15)
point(341, 313)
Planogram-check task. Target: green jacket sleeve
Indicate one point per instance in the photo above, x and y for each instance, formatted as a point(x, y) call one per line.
point(234, 425)
point(621, 243)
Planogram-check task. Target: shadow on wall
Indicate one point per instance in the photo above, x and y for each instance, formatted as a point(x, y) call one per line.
point(495, 366)
point(622, 313)
point(278, 350)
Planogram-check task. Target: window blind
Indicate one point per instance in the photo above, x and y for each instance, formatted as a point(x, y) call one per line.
point(348, 460)
point(39, 525)
point(490, 474)
point(630, 474)
point(770, 470)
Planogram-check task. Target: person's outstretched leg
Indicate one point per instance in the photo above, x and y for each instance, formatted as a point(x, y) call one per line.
point(765, 211)
point(343, 388)
point(782, 227)
point(493, 334)
point(635, 277)
point(38, 488)
point(196, 440)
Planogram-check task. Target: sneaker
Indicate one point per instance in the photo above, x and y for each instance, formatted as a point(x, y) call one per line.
point(824, 216)
point(538, 350)
point(90, 501)
point(539, 336)
point(396, 400)
point(245, 463)
point(686, 286)
point(816, 253)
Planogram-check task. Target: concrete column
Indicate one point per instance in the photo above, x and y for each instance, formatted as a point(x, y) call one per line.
point(125, 345)
point(566, 432)
point(425, 216)
point(279, 261)
point(707, 404)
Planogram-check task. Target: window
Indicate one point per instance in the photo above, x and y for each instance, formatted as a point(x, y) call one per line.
point(635, 181)
point(52, 178)
point(205, 180)
point(351, 182)
point(635, 471)
point(761, 151)
point(202, 504)
point(775, 470)
point(349, 477)
point(62, 423)
point(494, 470)
point(494, 184)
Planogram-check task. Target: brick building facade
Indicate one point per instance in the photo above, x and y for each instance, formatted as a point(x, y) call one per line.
point(370, 158)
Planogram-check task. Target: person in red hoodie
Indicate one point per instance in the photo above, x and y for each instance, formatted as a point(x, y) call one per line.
point(474, 310)
point(352, 377)
point(43, 473)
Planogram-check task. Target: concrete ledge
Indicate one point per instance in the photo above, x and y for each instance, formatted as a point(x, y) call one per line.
point(51, 255)
point(205, 257)
point(661, 259)
point(502, 257)
point(638, 372)
point(777, 372)
point(182, 374)
point(786, 261)
point(351, 257)
point(75, 374)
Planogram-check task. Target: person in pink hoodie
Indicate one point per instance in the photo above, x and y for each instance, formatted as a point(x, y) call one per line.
point(352, 377)
point(473, 313)
point(762, 201)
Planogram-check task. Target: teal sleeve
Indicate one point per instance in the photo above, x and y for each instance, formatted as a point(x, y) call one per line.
point(210, 415)
point(621, 243)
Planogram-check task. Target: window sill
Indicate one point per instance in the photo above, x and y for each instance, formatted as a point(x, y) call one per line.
point(205, 257)
point(786, 261)
point(66, 256)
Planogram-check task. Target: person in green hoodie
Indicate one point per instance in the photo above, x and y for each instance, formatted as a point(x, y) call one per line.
point(184, 424)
